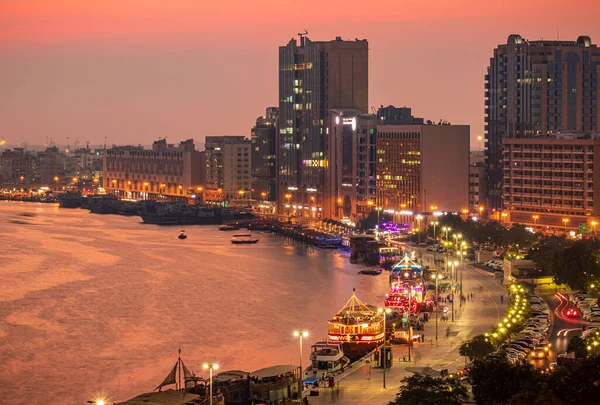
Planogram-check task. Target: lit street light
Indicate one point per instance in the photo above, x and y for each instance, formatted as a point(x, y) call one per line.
point(301, 335)
point(384, 312)
point(535, 218)
point(210, 367)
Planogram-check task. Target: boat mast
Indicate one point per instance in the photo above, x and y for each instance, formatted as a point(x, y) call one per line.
point(179, 363)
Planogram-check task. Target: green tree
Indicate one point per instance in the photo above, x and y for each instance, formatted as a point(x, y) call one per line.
point(477, 348)
point(544, 397)
point(496, 381)
point(578, 264)
point(422, 389)
point(577, 385)
point(577, 345)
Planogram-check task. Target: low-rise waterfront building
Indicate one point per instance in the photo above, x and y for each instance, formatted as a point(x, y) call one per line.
point(165, 171)
point(228, 166)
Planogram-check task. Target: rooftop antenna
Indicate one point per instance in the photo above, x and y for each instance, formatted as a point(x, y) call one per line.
point(302, 35)
point(67, 145)
point(104, 143)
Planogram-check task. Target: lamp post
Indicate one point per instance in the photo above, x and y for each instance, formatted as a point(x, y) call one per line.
point(287, 207)
point(593, 224)
point(56, 181)
point(210, 367)
point(454, 291)
point(436, 277)
point(481, 209)
point(301, 335)
point(535, 218)
point(419, 218)
point(384, 312)
point(434, 223)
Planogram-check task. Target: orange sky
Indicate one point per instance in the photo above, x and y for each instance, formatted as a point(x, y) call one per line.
point(134, 70)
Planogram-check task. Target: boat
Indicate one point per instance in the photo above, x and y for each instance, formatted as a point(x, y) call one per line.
point(371, 272)
point(358, 327)
point(389, 256)
point(69, 200)
point(182, 235)
point(228, 227)
point(326, 358)
point(243, 239)
point(178, 213)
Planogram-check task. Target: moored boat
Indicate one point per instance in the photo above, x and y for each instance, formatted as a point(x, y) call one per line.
point(371, 272)
point(228, 227)
point(327, 358)
point(243, 239)
point(358, 327)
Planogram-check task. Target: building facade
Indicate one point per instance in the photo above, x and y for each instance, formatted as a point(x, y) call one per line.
point(264, 164)
point(50, 166)
point(228, 167)
point(165, 171)
point(538, 88)
point(422, 168)
point(551, 183)
point(478, 185)
point(351, 184)
point(314, 77)
point(16, 167)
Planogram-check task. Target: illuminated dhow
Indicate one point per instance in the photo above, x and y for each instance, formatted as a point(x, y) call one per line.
point(358, 327)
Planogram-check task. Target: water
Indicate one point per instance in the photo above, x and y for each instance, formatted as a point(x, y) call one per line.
point(93, 304)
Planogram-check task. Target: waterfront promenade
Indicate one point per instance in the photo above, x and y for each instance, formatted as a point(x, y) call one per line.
point(363, 384)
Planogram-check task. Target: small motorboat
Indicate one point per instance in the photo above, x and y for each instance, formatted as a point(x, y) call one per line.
point(182, 235)
point(228, 227)
point(370, 272)
point(243, 239)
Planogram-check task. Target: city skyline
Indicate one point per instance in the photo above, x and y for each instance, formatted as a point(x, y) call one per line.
point(144, 70)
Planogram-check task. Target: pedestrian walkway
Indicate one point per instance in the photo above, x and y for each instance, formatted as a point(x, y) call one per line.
point(364, 385)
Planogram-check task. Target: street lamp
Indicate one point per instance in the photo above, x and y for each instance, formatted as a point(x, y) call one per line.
point(436, 277)
point(301, 335)
point(535, 218)
point(384, 312)
point(288, 196)
point(481, 209)
point(56, 180)
point(565, 221)
point(210, 367)
point(593, 224)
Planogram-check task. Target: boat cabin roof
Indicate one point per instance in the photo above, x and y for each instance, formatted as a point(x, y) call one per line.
point(168, 397)
point(274, 371)
point(246, 235)
point(230, 375)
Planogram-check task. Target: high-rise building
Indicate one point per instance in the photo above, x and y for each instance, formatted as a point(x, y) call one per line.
point(552, 182)
point(422, 168)
point(351, 171)
point(478, 184)
point(228, 166)
point(165, 171)
point(314, 77)
point(264, 165)
point(536, 89)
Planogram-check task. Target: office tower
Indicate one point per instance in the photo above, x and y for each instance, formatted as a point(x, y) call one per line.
point(228, 167)
point(351, 172)
point(478, 185)
point(314, 77)
point(422, 168)
point(164, 172)
point(264, 164)
point(552, 182)
point(536, 89)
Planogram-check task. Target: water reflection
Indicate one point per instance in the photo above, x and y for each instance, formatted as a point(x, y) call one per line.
point(96, 303)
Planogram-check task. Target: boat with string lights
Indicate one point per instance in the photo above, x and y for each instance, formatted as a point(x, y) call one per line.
point(358, 327)
point(406, 286)
point(403, 298)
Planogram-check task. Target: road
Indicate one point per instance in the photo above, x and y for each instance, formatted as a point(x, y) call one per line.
point(562, 329)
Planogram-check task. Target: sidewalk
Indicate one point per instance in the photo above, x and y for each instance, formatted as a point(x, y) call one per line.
point(364, 385)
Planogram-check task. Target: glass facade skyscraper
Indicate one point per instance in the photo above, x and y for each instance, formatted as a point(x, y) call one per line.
point(314, 77)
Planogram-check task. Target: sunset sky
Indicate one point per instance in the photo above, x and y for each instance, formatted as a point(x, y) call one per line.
point(136, 70)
